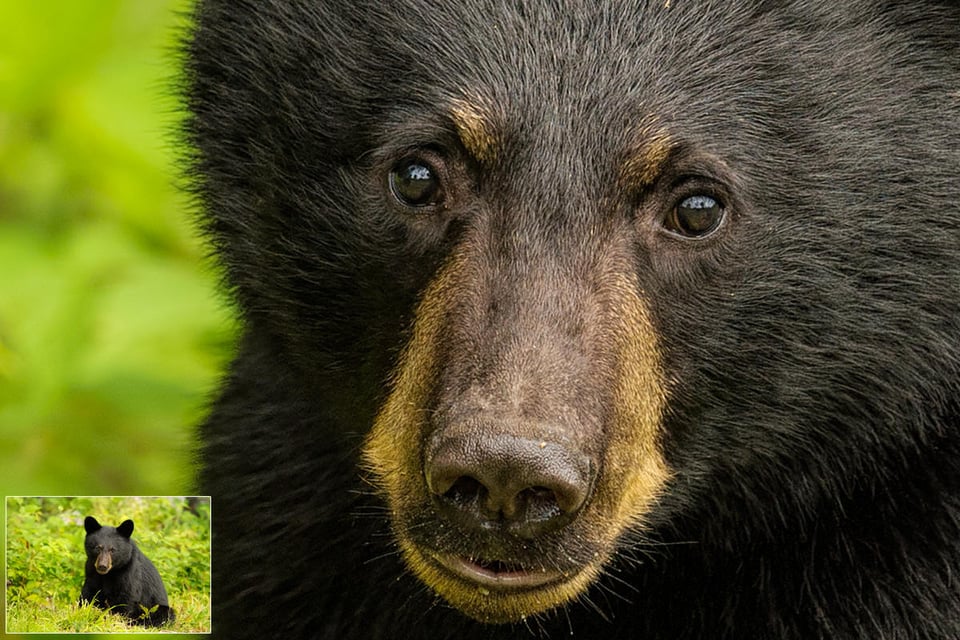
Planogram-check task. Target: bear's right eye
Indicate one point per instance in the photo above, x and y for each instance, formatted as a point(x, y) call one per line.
point(415, 183)
point(696, 216)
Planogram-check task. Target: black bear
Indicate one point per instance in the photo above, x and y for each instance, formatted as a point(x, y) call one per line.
point(119, 577)
point(584, 318)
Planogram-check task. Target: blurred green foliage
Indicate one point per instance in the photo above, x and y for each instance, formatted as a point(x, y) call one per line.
point(45, 559)
point(111, 333)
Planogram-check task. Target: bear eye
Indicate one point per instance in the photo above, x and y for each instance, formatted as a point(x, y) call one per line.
point(695, 216)
point(415, 183)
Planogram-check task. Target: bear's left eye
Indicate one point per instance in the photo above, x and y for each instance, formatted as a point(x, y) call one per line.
point(415, 183)
point(695, 216)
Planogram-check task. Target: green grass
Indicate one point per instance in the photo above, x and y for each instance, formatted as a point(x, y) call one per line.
point(45, 561)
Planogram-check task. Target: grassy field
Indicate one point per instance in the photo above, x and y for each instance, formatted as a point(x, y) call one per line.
point(112, 333)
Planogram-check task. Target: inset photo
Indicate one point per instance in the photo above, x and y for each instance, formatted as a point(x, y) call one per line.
point(98, 564)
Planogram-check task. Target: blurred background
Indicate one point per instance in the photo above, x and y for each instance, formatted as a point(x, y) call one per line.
point(112, 332)
point(111, 329)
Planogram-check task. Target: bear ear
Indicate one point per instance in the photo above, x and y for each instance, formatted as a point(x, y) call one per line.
point(126, 528)
point(90, 524)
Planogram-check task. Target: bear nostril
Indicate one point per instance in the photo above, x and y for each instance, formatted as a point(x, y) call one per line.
point(541, 503)
point(465, 491)
point(527, 485)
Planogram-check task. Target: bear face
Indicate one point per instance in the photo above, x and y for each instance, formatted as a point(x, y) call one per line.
point(583, 277)
point(108, 548)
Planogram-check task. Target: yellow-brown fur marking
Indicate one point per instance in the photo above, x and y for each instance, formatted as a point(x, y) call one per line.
point(476, 129)
point(648, 150)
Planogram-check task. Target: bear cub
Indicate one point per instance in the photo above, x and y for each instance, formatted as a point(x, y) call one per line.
point(120, 577)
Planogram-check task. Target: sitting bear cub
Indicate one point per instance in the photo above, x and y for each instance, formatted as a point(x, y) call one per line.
point(119, 576)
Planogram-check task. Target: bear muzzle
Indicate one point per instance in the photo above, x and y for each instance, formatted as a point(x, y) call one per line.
point(103, 564)
point(512, 472)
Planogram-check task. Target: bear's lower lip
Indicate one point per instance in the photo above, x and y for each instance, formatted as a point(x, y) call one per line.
point(496, 575)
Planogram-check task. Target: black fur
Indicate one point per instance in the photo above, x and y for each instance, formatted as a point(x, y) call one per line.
point(126, 581)
point(813, 345)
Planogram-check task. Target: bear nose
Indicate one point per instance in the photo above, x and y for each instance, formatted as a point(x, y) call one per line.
point(527, 486)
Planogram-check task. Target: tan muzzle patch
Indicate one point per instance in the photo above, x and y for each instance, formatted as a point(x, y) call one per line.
point(632, 470)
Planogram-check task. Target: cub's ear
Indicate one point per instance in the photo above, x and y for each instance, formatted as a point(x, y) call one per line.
point(126, 528)
point(90, 524)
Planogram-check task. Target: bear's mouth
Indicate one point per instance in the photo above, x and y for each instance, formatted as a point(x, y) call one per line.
point(498, 574)
point(495, 584)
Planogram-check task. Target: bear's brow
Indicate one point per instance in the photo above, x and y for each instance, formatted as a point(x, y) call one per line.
point(648, 148)
point(475, 127)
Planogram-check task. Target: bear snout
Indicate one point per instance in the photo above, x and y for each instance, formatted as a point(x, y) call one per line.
point(104, 563)
point(524, 486)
